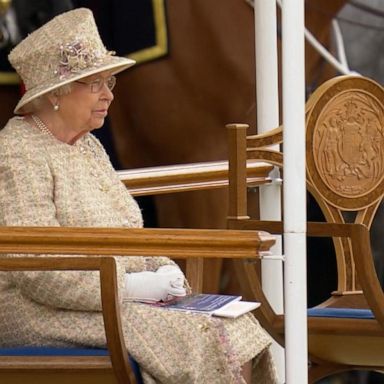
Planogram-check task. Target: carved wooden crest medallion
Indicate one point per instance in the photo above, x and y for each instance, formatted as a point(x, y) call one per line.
point(346, 160)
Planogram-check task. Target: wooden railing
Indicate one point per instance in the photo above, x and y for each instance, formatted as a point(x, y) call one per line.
point(178, 243)
point(189, 177)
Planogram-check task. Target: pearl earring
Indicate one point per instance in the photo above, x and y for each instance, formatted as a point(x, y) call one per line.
point(56, 107)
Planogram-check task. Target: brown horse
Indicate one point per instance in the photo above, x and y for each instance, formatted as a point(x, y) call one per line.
point(173, 110)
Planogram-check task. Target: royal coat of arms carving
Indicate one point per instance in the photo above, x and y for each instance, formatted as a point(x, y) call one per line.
point(348, 144)
point(347, 151)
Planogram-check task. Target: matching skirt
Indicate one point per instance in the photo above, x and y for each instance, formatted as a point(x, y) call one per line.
point(171, 347)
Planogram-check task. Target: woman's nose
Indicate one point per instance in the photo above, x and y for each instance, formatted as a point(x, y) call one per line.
point(107, 93)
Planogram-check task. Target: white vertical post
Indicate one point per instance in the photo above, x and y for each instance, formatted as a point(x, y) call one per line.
point(267, 98)
point(295, 286)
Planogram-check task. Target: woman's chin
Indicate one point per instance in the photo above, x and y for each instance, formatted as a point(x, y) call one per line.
point(98, 123)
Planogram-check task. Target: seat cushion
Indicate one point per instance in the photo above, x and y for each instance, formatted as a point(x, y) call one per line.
point(346, 313)
point(52, 351)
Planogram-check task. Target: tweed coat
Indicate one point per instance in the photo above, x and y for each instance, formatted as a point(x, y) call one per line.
point(45, 182)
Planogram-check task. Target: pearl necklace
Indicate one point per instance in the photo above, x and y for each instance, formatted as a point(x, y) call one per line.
point(86, 148)
point(43, 128)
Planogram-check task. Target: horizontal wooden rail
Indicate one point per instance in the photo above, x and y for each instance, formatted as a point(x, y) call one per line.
point(188, 177)
point(54, 263)
point(175, 243)
point(32, 364)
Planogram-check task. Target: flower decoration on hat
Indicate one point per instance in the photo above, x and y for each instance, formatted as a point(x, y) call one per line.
point(78, 56)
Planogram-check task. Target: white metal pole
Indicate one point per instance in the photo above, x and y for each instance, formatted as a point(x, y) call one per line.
point(337, 64)
point(267, 98)
point(295, 285)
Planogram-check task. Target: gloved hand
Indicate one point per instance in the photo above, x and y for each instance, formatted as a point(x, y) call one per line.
point(166, 282)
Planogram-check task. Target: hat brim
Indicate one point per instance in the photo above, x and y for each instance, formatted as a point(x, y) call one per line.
point(115, 64)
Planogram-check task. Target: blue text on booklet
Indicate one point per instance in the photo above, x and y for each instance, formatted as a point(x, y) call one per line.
point(202, 302)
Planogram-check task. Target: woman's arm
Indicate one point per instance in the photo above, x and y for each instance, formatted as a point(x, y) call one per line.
point(27, 199)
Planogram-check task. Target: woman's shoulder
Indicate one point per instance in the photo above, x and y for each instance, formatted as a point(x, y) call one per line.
point(17, 129)
point(17, 138)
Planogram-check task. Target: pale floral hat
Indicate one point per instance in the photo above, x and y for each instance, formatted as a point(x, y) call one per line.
point(65, 49)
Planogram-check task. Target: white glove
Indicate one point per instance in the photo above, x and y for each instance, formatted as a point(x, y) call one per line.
point(166, 282)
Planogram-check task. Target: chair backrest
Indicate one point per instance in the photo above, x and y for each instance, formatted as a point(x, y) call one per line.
point(345, 165)
point(345, 160)
point(345, 175)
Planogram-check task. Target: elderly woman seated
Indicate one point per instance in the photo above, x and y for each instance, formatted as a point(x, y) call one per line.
point(54, 172)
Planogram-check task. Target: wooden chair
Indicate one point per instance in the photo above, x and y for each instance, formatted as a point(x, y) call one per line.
point(47, 365)
point(345, 174)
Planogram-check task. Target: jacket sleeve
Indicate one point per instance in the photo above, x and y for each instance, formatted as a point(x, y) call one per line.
point(27, 199)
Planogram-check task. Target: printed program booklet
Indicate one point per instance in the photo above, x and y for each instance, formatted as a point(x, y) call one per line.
point(212, 304)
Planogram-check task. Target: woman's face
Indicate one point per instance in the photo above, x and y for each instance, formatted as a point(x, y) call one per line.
point(86, 106)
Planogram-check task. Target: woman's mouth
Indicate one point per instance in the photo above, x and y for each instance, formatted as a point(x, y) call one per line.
point(101, 112)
